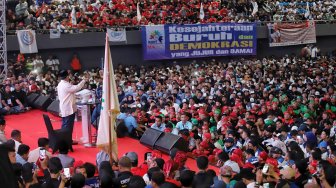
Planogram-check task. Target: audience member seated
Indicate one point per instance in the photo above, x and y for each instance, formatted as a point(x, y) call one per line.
point(16, 137)
point(66, 160)
point(43, 144)
point(3, 138)
point(22, 154)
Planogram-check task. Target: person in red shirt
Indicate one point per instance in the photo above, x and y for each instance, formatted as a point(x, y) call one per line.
point(137, 170)
point(75, 64)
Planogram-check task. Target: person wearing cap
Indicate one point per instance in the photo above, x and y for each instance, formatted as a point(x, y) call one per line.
point(3, 138)
point(229, 145)
point(125, 174)
point(158, 125)
point(66, 95)
point(136, 171)
point(276, 153)
point(224, 177)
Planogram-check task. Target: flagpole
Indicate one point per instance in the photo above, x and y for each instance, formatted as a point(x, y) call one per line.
point(109, 105)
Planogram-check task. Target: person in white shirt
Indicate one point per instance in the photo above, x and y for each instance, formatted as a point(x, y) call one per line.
point(50, 63)
point(66, 94)
point(38, 64)
point(3, 138)
point(43, 144)
point(16, 137)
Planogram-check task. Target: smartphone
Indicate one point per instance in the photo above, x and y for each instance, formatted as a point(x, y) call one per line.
point(148, 156)
point(266, 185)
point(66, 172)
point(42, 154)
point(265, 169)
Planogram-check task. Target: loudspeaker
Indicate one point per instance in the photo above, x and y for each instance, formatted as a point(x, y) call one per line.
point(169, 141)
point(42, 102)
point(150, 136)
point(53, 108)
point(32, 98)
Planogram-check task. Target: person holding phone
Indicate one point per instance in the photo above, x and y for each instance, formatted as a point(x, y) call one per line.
point(41, 151)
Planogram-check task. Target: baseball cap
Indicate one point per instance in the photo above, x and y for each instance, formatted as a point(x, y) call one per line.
point(132, 156)
point(229, 139)
point(323, 144)
point(225, 171)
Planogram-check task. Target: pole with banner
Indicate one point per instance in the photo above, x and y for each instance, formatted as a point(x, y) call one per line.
point(106, 136)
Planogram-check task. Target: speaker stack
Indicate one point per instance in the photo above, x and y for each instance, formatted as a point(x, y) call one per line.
point(162, 141)
point(53, 108)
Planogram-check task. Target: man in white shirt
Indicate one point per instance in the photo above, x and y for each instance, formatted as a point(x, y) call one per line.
point(66, 94)
point(16, 137)
point(43, 144)
point(3, 138)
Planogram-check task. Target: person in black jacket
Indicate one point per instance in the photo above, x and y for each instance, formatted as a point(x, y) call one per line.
point(7, 176)
point(125, 173)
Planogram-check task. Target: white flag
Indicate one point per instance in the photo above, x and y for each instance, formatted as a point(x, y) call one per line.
point(106, 135)
point(55, 34)
point(138, 13)
point(255, 8)
point(27, 41)
point(201, 12)
point(73, 16)
point(307, 14)
point(116, 36)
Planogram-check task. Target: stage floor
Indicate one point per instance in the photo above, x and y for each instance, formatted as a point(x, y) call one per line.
point(32, 127)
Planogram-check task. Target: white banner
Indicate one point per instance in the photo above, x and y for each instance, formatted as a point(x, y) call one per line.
point(55, 34)
point(116, 36)
point(27, 41)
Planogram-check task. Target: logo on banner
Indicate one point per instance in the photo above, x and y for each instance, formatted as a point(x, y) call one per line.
point(155, 37)
point(116, 35)
point(27, 38)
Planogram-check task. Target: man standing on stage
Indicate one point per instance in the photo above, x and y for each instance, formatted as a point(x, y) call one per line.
point(66, 94)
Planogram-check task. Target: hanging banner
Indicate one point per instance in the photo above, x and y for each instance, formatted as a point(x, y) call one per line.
point(287, 34)
point(55, 34)
point(27, 41)
point(198, 40)
point(117, 36)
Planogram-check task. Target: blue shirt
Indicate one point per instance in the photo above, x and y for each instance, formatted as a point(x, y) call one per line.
point(188, 125)
point(20, 160)
point(161, 128)
point(122, 116)
point(130, 123)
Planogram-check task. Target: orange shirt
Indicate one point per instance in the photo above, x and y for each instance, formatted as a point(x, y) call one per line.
point(75, 64)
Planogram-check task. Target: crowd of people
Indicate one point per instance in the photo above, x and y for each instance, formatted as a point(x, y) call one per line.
point(68, 16)
point(267, 122)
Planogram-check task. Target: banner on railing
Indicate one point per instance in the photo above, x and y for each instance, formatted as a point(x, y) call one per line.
point(287, 34)
point(27, 41)
point(198, 40)
point(117, 35)
point(55, 34)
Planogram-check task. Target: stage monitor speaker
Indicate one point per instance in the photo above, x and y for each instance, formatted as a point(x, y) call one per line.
point(42, 102)
point(169, 141)
point(150, 136)
point(53, 108)
point(32, 98)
